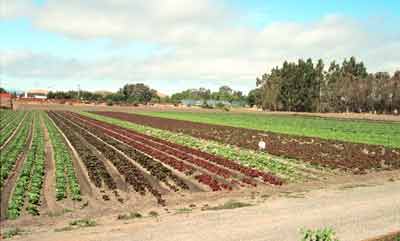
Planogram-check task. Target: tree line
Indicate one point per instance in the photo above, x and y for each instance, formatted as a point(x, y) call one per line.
point(305, 86)
point(129, 93)
point(302, 86)
point(224, 93)
point(142, 94)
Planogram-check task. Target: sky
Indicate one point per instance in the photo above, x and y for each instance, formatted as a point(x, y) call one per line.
point(173, 45)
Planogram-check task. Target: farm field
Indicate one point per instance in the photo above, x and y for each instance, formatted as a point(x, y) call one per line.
point(359, 131)
point(58, 164)
point(58, 158)
point(332, 153)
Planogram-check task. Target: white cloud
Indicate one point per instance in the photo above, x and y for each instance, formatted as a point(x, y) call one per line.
point(148, 20)
point(16, 8)
point(204, 38)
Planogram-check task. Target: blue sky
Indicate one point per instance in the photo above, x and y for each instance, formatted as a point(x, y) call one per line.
point(181, 44)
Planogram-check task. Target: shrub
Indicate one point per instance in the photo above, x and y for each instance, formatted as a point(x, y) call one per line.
point(153, 214)
point(83, 223)
point(12, 232)
point(206, 106)
point(326, 234)
point(129, 216)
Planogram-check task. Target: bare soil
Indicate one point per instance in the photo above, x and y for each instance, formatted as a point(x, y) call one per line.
point(49, 201)
point(393, 236)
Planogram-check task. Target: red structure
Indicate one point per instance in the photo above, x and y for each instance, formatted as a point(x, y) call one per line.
point(6, 101)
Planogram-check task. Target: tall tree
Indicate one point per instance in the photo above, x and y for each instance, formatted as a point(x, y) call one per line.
point(254, 97)
point(138, 93)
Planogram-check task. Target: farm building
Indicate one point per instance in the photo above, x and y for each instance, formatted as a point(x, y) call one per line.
point(6, 101)
point(191, 102)
point(213, 103)
point(36, 94)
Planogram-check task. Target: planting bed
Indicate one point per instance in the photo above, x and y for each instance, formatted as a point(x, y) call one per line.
point(13, 150)
point(27, 190)
point(97, 171)
point(156, 169)
point(66, 180)
point(132, 175)
point(337, 154)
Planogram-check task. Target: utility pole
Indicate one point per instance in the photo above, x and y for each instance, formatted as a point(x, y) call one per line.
point(79, 92)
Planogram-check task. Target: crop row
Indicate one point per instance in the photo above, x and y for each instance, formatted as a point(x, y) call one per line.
point(96, 170)
point(9, 129)
point(38, 170)
point(6, 117)
point(11, 152)
point(132, 174)
point(155, 168)
point(31, 176)
point(214, 164)
point(65, 172)
point(170, 159)
point(156, 149)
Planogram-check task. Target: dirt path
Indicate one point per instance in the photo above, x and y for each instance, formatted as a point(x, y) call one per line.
point(354, 212)
point(8, 188)
point(49, 190)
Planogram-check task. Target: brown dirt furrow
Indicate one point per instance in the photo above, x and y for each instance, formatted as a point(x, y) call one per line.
point(49, 201)
point(338, 154)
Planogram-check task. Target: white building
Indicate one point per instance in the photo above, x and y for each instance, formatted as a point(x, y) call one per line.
point(37, 94)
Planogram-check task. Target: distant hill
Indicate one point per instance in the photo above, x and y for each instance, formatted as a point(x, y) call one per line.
point(161, 95)
point(103, 92)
